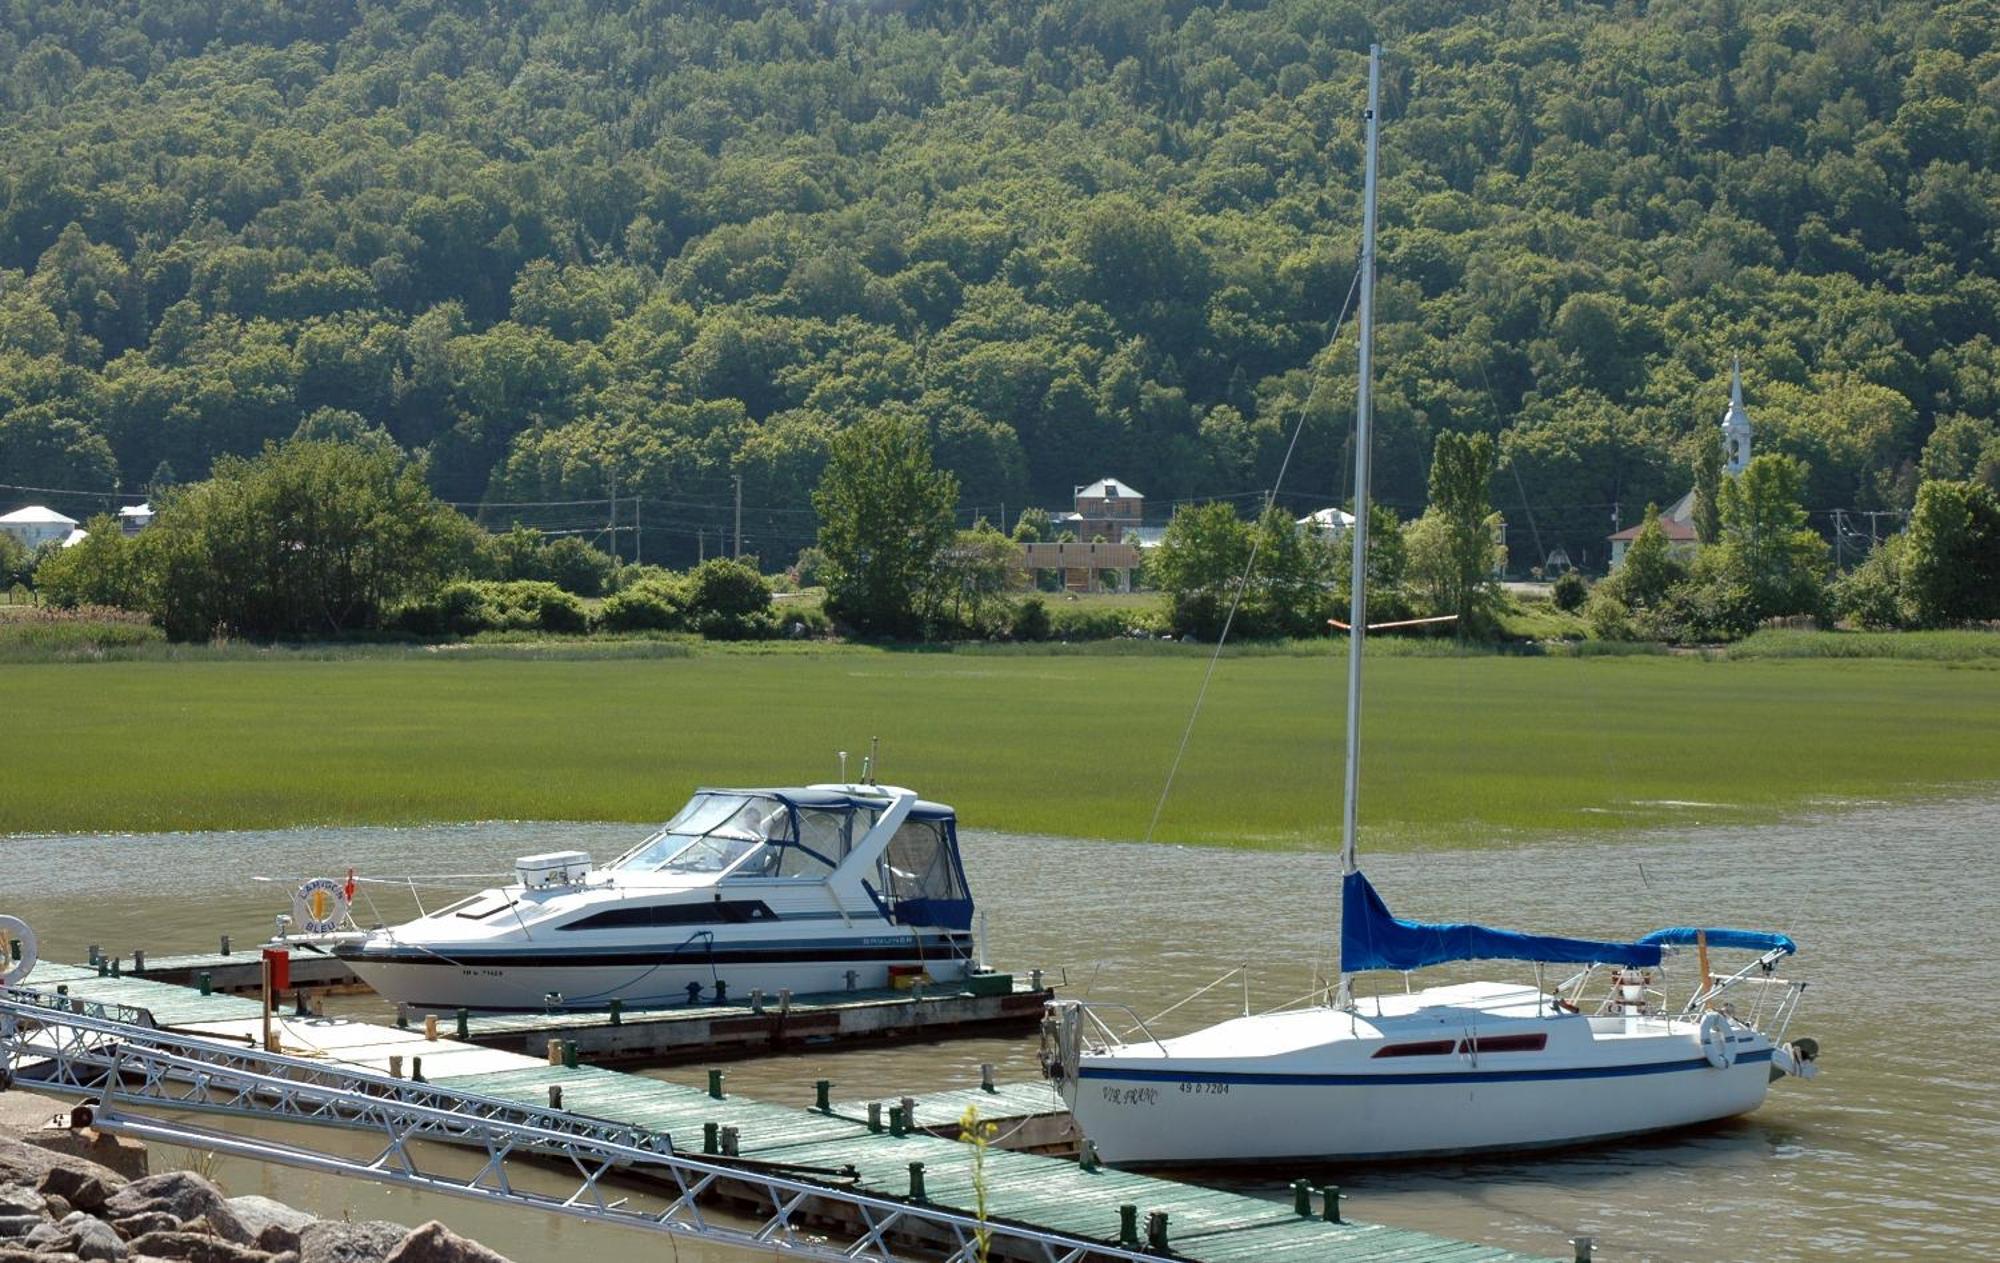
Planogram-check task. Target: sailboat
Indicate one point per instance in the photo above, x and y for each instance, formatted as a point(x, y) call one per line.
point(1463, 1068)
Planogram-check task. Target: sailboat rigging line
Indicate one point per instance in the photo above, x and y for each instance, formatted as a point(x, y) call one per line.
point(1249, 568)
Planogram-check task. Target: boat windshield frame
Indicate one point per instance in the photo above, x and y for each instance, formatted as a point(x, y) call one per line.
point(735, 834)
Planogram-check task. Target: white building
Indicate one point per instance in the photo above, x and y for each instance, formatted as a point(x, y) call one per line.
point(134, 518)
point(37, 525)
point(1677, 521)
point(1328, 523)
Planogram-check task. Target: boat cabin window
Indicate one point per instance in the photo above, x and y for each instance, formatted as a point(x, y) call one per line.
point(1423, 1048)
point(919, 864)
point(1504, 1043)
point(745, 835)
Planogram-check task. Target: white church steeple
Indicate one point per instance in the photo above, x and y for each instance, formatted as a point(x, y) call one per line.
point(1735, 424)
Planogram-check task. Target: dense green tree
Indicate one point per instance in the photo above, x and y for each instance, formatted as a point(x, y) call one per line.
point(1708, 465)
point(100, 569)
point(1766, 547)
point(728, 600)
point(1951, 555)
point(885, 519)
point(305, 539)
point(1452, 547)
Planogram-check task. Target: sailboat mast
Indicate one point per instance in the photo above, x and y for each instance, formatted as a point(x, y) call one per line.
point(1364, 408)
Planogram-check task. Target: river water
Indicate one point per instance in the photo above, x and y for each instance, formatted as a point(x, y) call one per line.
point(1892, 1153)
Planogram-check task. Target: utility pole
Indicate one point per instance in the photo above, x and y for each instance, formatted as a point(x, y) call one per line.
point(1840, 539)
point(638, 535)
point(739, 517)
point(611, 479)
point(700, 545)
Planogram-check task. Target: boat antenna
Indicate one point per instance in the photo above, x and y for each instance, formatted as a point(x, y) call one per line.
point(843, 767)
point(868, 763)
point(1357, 582)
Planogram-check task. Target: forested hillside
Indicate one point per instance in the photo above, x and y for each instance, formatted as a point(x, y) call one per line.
point(549, 243)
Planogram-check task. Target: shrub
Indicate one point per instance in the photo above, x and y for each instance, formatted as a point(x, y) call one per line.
point(575, 566)
point(1083, 622)
point(1031, 620)
point(1610, 618)
point(729, 600)
point(655, 604)
point(1570, 592)
point(100, 569)
point(472, 606)
point(1871, 593)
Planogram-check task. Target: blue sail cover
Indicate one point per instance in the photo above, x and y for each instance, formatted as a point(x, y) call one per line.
point(1372, 938)
point(1721, 936)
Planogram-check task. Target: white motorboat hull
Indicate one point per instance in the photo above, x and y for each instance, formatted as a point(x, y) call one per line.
point(498, 985)
point(1140, 1121)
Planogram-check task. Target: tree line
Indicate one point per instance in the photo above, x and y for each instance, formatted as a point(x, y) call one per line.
point(562, 250)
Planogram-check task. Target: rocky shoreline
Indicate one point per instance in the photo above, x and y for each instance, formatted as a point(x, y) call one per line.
point(74, 1196)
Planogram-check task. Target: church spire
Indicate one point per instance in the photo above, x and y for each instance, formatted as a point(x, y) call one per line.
point(1736, 423)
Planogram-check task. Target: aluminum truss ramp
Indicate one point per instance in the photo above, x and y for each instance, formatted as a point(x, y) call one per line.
point(610, 1172)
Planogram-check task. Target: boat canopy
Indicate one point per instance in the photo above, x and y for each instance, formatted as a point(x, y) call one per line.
point(1371, 937)
point(758, 833)
point(1723, 936)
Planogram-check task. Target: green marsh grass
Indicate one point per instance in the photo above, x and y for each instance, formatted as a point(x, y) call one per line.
point(1460, 749)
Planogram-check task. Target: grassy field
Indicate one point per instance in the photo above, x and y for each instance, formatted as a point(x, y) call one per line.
point(1460, 749)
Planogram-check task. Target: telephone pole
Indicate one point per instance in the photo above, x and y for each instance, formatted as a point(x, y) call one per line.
point(638, 535)
point(739, 517)
point(611, 479)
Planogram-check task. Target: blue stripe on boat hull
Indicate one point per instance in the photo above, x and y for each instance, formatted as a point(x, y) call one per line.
point(1392, 1080)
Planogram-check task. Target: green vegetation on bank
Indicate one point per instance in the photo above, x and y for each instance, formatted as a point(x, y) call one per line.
point(1461, 749)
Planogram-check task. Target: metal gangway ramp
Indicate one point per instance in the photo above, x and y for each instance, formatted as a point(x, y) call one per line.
point(139, 1077)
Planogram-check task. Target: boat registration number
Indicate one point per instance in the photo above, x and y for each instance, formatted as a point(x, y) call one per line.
point(1205, 1089)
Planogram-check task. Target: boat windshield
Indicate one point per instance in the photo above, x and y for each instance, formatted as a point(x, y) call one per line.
point(744, 835)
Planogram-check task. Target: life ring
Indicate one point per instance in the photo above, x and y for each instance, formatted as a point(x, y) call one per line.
point(16, 971)
point(1715, 1042)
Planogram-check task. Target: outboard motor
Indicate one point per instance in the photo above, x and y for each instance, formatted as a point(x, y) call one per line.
point(1062, 1042)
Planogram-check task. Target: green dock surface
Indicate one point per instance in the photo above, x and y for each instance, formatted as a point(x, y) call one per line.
point(1206, 1225)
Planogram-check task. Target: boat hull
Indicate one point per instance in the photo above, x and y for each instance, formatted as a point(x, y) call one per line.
point(1159, 1118)
point(496, 984)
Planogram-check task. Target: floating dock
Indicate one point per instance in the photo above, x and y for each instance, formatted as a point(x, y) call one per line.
point(898, 1161)
point(656, 1036)
point(242, 972)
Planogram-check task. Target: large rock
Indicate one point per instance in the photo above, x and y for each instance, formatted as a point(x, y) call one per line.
point(185, 1196)
point(97, 1242)
point(25, 1164)
point(15, 1200)
point(435, 1243)
point(49, 1238)
point(8, 1254)
point(13, 1227)
point(337, 1241)
point(272, 1225)
point(77, 1186)
point(144, 1222)
point(192, 1247)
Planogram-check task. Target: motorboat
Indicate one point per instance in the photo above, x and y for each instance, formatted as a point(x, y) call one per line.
point(1467, 1067)
point(819, 888)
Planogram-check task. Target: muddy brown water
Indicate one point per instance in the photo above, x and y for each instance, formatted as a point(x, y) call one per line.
point(1893, 1153)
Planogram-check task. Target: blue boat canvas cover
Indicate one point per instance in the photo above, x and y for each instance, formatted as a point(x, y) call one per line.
point(1723, 936)
point(1371, 937)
